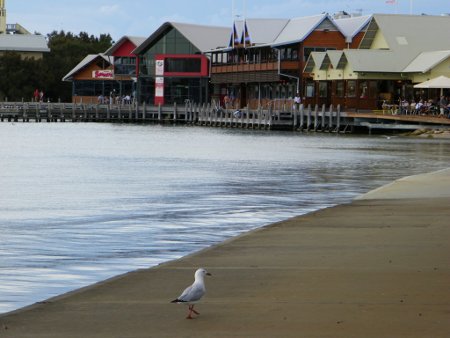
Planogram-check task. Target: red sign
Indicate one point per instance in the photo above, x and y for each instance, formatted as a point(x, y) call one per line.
point(159, 90)
point(102, 74)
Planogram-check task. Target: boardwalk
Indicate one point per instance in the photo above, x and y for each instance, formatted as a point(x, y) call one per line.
point(326, 119)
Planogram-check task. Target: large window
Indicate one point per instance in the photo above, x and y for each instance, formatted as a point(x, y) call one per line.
point(102, 87)
point(289, 53)
point(125, 65)
point(180, 89)
point(172, 42)
point(185, 65)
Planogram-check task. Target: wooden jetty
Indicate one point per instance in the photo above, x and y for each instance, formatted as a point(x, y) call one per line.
point(325, 119)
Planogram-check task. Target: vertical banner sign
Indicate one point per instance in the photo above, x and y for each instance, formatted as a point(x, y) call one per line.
point(159, 82)
point(159, 90)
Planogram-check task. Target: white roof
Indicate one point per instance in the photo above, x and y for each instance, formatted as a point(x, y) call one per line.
point(204, 38)
point(264, 31)
point(416, 43)
point(23, 43)
point(352, 25)
point(410, 35)
point(369, 60)
point(86, 61)
point(298, 29)
point(426, 61)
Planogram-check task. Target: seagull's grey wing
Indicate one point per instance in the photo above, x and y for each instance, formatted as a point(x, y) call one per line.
point(192, 293)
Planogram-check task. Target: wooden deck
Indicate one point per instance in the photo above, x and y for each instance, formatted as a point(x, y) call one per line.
point(329, 119)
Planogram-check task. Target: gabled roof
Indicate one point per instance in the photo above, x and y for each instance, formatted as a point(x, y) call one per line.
point(408, 44)
point(135, 40)
point(409, 35)
point(204, 38)
point(264, 31)
point(23, 43)
point(352, 25)
point(85, 62)
point(298, 29)
point(425, 61)
point(337, 58)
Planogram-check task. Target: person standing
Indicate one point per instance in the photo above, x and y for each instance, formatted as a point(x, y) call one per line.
point(297, 100)
point(36, 95)
point(443, 103)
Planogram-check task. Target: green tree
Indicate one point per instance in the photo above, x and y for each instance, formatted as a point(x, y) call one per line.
point(66, 51)
point(19, 77)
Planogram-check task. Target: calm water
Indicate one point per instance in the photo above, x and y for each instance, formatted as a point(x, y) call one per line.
point(83, 202)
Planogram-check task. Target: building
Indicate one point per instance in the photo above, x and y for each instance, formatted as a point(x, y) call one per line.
point(15, 38)
point(395, 52)
point(107, 76)
point(27, 45)
point(264, 60)
point(173, 66)
point(125, 64)
point(93, 79)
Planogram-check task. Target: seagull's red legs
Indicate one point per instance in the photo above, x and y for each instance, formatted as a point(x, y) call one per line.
point(191, 309)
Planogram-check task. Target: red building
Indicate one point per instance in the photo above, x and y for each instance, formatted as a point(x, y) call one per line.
point(125, 64)
point(172, 64)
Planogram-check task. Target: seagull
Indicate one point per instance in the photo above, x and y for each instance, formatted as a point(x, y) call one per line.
point(193, 293)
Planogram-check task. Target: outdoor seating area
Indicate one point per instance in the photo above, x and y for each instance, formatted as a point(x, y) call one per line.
point(422, 107)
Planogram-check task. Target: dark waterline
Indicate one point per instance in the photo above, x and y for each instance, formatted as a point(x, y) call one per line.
point(83, 202)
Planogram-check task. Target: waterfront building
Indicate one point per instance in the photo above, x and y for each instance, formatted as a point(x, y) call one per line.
point(112, 74)
point(396, 52)
point(264, 60)
point(173, 67)
point(15, 38)
point(93, 79)
point(125, 64)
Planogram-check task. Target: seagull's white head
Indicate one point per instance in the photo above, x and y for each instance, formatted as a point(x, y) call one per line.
point(201, 273)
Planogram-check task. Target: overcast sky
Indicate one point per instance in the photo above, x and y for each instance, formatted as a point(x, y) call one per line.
point(143, 17)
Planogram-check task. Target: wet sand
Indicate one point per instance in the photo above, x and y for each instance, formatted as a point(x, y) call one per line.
point(377, 267)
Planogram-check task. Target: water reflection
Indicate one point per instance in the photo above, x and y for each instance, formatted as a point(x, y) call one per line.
point(83, 202)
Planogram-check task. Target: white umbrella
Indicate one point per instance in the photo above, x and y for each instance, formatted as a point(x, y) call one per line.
point(438, 82)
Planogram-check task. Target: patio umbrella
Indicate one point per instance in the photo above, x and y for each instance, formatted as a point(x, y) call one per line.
point(438, 82)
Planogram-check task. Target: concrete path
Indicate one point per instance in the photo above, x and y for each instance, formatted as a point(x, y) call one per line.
point(378, 267)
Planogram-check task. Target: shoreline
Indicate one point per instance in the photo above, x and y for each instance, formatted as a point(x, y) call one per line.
point(377, 266)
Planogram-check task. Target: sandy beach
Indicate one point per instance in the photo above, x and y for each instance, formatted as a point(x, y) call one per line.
point(376, 267)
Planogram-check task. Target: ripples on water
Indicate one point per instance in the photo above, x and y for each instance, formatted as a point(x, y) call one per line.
point(83, 202)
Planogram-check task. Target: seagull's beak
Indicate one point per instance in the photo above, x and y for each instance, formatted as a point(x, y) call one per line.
point(208, 274)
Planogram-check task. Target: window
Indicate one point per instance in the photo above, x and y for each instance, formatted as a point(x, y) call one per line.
point(339, 89)
point(373, 89)
point(171, 43)
point(182, 65)
point(125, 65)
point(310, 89)
point(351, 88)
point(323, 89)
point(363, 89)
